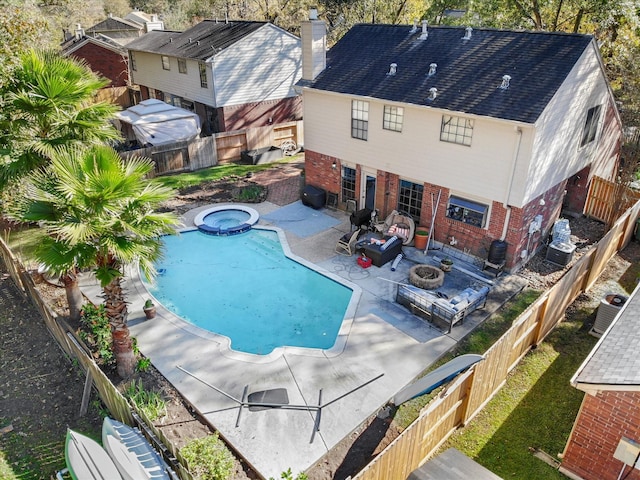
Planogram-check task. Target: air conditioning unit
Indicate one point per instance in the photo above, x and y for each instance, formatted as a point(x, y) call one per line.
point(560, 253)
point(609, 307)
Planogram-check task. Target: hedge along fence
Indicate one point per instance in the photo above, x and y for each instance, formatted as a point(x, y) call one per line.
point(471, 391)
point(74, 347)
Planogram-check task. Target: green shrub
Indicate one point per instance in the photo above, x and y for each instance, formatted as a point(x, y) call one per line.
point(143, 364)
point(96, 331)
point(288, 475)
point(150, 402)
point(250, 194)
point(208, 458)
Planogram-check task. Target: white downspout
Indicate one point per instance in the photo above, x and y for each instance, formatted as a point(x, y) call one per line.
point(514, 162)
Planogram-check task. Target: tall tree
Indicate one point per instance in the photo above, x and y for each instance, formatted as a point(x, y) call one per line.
point(21, 27)
point(48, 104)
point(99, 211)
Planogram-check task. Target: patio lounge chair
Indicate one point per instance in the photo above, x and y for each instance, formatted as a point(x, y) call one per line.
point(398, 224)
point(347, 243)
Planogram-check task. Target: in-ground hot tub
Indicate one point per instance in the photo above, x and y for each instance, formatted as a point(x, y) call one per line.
point(226, 219)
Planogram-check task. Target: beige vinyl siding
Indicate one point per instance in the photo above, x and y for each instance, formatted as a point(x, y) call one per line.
point(558, 154)
point(150, 73)
point(263, 66)
point(482, 170)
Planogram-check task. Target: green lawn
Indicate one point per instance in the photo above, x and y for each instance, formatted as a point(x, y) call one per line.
point(218, 172)
point(534, 410)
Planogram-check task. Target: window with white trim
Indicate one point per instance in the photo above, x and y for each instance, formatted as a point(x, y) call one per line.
point(410, 198)
point(392, 118)
point(348, 189)
point(456, 130)
point(182, 65)
point(202, 68)
point(166, 65)
point(591, 125)
point(467, 211)
point(359, 119)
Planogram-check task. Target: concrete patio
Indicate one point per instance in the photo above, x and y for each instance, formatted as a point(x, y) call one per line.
point(385, 349)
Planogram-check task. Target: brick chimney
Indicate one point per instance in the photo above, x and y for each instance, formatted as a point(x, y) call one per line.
point(314, 46)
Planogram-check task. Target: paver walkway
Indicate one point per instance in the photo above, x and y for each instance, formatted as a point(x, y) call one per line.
point(284, 184)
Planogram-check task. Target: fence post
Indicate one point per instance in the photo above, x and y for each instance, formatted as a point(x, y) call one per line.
point(86, 393)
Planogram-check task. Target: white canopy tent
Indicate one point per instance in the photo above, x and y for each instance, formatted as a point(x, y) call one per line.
point(155, 122)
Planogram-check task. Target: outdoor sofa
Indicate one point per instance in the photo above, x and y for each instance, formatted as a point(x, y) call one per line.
point(434, 308)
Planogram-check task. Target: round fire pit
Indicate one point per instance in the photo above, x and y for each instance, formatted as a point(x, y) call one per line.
point(426, 277)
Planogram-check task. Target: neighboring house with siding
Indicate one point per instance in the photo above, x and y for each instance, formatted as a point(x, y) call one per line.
point(235, 75)
point(102, 47)
point(506, 128)
point(605, 440)
point(120, 30)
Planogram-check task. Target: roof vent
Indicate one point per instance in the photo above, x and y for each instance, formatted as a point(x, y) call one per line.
point(170, 40)
point(198, 42)
point(432, 69)
point(505, 82)
point(392, 69)
point(433, 93)
point(467, 33)
point(414, 29)
point(424, 34)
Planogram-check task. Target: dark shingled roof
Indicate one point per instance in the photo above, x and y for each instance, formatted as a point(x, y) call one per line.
point(199, 42)
point(468, 74)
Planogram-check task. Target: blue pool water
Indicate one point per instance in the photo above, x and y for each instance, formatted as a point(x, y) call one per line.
point(245, 288)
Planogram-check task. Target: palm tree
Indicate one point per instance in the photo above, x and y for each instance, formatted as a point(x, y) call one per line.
point(98, 210)
point(50, 103)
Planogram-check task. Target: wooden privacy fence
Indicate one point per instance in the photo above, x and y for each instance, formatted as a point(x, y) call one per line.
point(605, 198)
point(470, 392)
point(223, 147)
point(179, 156)
point(118, 406)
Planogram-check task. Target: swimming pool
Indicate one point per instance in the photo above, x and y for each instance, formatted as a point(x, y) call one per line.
point(245, 288)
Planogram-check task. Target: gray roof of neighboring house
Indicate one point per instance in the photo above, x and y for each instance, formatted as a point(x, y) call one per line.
point(99, 39)
point(114, 24)
point(468, 73)
point(199, 42)
point(615, 360)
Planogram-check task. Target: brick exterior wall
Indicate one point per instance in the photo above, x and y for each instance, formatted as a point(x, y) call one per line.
point(577, 191)
point(106, 62)
point(603, 419)
point(475, 240)
point(318, 172)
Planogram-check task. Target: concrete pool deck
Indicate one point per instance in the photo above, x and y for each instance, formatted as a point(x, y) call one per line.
point(386, 343)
